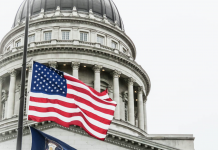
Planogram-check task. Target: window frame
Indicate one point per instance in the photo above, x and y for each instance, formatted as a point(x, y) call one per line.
point(103, 39)
point(45, 35)
point(30, 37)
point(116, 44)
point(82, 37)
point(18, 43)
point(65, 31)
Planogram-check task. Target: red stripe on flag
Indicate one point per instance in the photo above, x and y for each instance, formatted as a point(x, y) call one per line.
point(69, 115)
point(64, 113)
point(84, 91)
point(84, 101)
point(62, 123)
point(93, 90)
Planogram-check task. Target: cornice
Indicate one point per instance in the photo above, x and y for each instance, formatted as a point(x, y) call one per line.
point(113, 137)
point(79, 49)
point(80, 20)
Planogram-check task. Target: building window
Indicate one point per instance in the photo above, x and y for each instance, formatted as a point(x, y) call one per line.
point(100, 39)
point(31, 38)
point(83, 36)
point(113, 45)
point(47, 36)
point(65, 35)
point(18, 43)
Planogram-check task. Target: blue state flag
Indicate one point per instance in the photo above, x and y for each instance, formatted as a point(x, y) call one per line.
point(42, 141)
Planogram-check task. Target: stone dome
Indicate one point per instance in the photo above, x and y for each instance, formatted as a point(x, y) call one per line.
point(99, 8)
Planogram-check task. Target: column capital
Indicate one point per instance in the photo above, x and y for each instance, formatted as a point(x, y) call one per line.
point(97, 68)
point(12, 72)
point(53, 64)
point(116, 74)
point(130, 81)
point(93, 31)
point(56, 27)
point(38, 30)
point(140, 89)
point(75, 65)
point(75, 28)
point(30, 67)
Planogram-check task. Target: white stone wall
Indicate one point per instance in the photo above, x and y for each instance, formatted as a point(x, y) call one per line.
point(180, 144)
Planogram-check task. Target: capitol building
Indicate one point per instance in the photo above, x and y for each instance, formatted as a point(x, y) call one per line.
point(85, 38)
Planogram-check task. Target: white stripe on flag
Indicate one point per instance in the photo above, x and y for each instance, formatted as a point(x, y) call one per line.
point(87, 97)
point(72, 101)
point(76, 118)
point(70, 110)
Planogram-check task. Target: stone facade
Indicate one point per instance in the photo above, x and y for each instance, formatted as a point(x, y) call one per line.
point(109, 65)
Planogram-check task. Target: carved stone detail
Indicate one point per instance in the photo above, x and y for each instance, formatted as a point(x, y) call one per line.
point(130, 64)
point(125, 96)
point(75, 65)
point(105, 20)
point(116, 74)
point(91, 15)
point(12, 72)
point(131, 81)
point(140, 89)
point(30, 67)
point(74, 12)
point(53, 64)
point(42, 14)
point(4, 95)
point(110, 89)
point(97, 68)
point(58, 12)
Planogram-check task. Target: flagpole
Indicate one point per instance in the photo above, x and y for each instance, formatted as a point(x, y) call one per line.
point(23, 80)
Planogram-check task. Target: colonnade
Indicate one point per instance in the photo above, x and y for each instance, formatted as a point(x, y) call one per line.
point(114, 93)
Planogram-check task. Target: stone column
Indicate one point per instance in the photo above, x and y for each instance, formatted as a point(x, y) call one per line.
point(75, 69)
point(97, 78)
point(140, 108)
point(1, 82)
point(108, 41)
point(38, 35)
point(55, 33)
point(145, 115)
point(93, 36)
point(28, 87)
point(75, 33)
point(131, 112)
point(53, 64)
point(11, 97)
point(116, 75)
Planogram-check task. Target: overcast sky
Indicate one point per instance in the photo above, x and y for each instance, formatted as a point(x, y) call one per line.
point(177, 45)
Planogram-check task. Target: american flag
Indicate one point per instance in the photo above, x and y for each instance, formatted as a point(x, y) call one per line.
point(59, 97)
